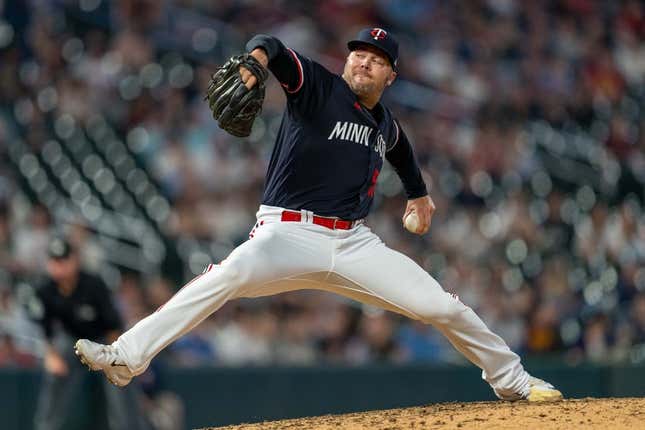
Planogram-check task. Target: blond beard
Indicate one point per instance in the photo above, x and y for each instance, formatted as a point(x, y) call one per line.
point(363, 90)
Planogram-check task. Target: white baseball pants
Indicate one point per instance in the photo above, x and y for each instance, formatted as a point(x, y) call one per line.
point(287, 256)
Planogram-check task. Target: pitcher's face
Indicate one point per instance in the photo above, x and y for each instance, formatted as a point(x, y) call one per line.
point(368, 71)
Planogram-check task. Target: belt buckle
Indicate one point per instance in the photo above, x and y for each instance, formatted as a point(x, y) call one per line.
point(333, 227)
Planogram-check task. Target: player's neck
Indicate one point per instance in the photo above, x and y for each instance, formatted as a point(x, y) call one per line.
point(369, 102)
point(67, 286)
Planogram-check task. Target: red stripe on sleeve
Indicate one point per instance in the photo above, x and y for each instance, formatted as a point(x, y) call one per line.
point(300, 74)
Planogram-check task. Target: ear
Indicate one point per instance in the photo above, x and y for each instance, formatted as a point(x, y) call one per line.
point(391, 78)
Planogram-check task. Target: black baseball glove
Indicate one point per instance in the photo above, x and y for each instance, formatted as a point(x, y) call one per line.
point(234, 106)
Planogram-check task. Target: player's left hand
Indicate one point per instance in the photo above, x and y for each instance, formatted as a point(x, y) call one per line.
point(424, 208)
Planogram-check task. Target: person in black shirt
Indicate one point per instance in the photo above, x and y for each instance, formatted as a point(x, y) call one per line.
point(311, 232)
point(76, 304)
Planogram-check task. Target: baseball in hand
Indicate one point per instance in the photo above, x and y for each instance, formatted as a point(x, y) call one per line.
point(411, 222)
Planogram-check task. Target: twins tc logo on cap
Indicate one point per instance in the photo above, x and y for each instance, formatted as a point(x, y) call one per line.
point(378, 38)
point(378, 33)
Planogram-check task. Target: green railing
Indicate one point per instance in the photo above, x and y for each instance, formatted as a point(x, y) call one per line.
point(220, 396)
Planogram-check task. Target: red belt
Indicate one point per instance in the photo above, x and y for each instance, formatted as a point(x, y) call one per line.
point(331, 223)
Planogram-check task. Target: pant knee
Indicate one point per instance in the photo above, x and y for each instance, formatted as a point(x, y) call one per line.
point(443, 309)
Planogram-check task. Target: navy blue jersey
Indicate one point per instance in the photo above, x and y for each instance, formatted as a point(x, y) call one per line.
point(88, 312)
point(330, 149)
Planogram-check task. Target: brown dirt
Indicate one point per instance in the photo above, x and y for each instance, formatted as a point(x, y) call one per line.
point(614, 414)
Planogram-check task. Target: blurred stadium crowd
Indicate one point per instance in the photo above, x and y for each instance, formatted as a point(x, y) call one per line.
point(526, 116)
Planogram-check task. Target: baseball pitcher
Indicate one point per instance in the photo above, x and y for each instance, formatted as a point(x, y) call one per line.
point(311, 230)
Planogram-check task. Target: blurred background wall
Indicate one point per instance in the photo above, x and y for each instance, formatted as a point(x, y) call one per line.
point(526, 117)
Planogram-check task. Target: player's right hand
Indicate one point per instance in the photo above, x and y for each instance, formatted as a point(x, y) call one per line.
point(423, 207)
point(249, 78)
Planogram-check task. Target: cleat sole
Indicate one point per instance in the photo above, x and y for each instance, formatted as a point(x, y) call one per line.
point(544, 396)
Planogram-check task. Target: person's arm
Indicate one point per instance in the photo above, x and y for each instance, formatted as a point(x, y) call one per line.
point(401, 157)
point(306, 83)
point(52, 360)
point(280, 60)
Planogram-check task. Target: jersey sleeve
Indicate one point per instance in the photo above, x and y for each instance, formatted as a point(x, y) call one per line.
point(401, 157)
point(306, 83)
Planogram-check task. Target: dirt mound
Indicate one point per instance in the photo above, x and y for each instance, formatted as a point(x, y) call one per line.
point(615, 414)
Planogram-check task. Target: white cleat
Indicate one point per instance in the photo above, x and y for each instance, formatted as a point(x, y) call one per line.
point(97, 356)
point(542, 391)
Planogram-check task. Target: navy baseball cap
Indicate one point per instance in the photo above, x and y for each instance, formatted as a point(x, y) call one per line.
point(59, 248)
point(380, 39)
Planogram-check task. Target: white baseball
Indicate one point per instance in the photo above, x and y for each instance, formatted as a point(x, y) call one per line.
point(411, 222)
